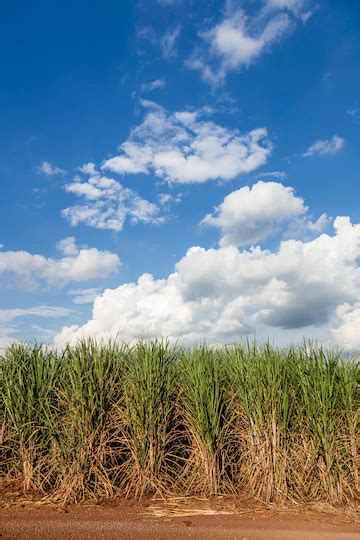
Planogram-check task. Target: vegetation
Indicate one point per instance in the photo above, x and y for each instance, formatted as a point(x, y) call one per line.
point(99, 420)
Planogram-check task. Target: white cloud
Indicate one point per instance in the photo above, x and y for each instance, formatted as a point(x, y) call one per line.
point(6, 337)
point(153, 85)
point(278, 175)
point(325, 146)
point(8, 315)
point(183, 147)
point(320, 224)
point(8, 334)
point(240, 39)
point(249, 215)
point(353, 111)
point(347, 334)
point(221, 294)
point(80, 265)
point(88, 168)
point(303, 227)
point(47, 168)
point(167, 199)
point(84, 296)
point(68, 246)
point(295, 6)
point(107, 203)
point(168, 42)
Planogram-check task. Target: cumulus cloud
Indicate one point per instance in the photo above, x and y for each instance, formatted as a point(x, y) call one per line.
point(325, 146)
point(221, 294)
point(240, 39)
point(184, 147)
point(347, 334)
point(50, 170)
point(107, 203)
point(75, 264)
point(249, 215)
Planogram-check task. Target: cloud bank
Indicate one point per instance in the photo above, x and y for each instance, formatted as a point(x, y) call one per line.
point(223, 293)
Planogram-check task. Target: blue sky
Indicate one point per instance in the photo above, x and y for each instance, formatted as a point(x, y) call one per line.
point(135, 131)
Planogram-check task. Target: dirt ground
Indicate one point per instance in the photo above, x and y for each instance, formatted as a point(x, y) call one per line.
point(174, 519)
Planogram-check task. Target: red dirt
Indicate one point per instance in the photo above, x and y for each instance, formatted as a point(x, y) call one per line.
point(127, 520)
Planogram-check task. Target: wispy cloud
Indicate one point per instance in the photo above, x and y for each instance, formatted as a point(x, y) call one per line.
point(239, 39)
point(280, 175)
point(354, 111)
point(325, 146)
point(153, 85)
point(84, 296)
point(168, 42)
point(8, 315)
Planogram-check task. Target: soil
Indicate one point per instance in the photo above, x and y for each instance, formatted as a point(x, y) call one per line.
point(176, 518)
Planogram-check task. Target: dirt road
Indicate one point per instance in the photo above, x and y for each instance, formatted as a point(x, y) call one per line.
point(132, 522)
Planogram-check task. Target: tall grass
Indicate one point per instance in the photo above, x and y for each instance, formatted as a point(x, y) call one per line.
point(87, 392)
point(263, 398)
point(203, 406)
point(147, 418)
point(100, 420)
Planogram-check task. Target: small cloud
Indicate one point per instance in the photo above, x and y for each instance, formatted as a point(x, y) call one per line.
point(281, 175)
point(325, 146)
point(353, 111)
point(84, 296)
point(8, 315)
point(168, 2)
point(251, 214)
point(106, 203)
point(47, 168)
point(320, 224)
point(68, 246)
point(186, 147)
point(88, 168)
point(168, 42)
point(304, 228)
point(74, 264)
point(166, 199)
point(241, 38)
point(149, 104)
point(153, 85)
